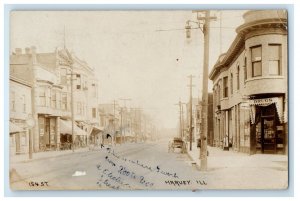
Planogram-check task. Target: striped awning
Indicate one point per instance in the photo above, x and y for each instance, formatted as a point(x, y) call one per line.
point(278, 101)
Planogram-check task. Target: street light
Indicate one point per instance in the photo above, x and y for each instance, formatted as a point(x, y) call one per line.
point(188, 28)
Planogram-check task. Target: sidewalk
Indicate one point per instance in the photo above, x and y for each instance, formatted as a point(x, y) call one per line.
point(218, 159)
point(235, 170)
point(22, 158)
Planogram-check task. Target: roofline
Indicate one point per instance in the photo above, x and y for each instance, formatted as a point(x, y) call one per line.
point(20, 81)
point(239, 41)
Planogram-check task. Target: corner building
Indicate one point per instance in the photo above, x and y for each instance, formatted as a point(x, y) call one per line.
point(250, 86)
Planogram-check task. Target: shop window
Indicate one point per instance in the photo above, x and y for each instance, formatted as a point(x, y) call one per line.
point(256, 61)
point(225, 87)
point(274, 59)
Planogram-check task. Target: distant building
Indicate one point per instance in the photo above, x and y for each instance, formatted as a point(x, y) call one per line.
point(250, 86)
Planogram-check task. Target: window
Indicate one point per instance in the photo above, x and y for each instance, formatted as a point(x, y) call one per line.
point(24, 103)
point(256, 61)
point(63, 76)
point(13, 101)
point(42, 96)
point(238, 78)
point(245, 69)
point(94, 112)
point(231, 83)
point(64, 101)
point(53, 98)
point(94, 90)
point(78, 81)
point(225, 87)
point(274, 59)
point(58, 98)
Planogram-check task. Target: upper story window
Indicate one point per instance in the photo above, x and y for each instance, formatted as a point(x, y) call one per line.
point(94, 90)
point(63, 76)
point(53, 98)
point(64, 101)
point(225, 87)
point(94, 112)
point(256, 61)
point(42, 96)
point(78, 81)
point(231, 83)
point(58, 100)
point(238, 78)
point(274, 59)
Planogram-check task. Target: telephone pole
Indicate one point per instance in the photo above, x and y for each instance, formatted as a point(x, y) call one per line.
point(203, 134)
point(203, 23)
point(190, 108)
point(180, 119)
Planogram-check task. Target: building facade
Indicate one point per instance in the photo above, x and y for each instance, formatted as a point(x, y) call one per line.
point(250, 86)
point(56, 101)
point(19, 110)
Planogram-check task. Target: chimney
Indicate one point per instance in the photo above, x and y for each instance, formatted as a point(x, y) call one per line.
point(18, 51)
point(27, 50)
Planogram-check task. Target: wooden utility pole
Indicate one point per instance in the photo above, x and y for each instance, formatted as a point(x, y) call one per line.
point(203, 134)
point(180, 119)
point(190, 109)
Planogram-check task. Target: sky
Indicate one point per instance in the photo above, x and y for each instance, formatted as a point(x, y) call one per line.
point(140, 55)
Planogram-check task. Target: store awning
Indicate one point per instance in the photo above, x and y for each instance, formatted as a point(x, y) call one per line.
point(278, 101)
point(96, 129)
point(66, 128)
point(13, 128)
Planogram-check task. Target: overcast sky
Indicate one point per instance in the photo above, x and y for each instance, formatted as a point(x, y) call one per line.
point(142, 55)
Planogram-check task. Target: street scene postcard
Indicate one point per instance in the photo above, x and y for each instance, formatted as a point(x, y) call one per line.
point(148, 100)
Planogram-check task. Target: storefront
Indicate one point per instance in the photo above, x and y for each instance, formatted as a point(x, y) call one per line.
point(66, 138)
point(47, 132)
point(267, 126)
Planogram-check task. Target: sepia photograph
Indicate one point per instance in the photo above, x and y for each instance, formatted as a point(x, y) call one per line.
point(148, 100)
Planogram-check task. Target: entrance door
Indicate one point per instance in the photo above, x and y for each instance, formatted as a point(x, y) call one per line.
point(268, 135)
